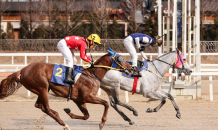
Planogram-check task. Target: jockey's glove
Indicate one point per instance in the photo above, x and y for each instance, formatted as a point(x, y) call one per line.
point(142, 48)
point(148, 60)
point(92, 64)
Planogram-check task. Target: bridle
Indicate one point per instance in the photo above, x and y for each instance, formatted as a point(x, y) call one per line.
point(175, 64)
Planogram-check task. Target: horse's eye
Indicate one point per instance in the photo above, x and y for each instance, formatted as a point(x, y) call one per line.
point(184, 59)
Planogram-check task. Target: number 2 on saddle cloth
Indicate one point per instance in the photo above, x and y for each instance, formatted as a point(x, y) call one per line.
point(58, 75)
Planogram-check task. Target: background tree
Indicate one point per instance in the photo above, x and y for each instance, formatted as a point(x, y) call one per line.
point(76, 23)
point(3, 7)
point(206, 7)
point(24, 27)
point(39, 32)
point(155, 26)
point(82, 30)
point(57, 27)
point(133, 27)
point(148, 26)
point(212, 31)
point(129, 8)
point(10, 31)
point(99, 16)
point(114, 30)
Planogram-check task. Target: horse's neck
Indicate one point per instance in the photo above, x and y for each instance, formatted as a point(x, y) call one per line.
point(164, 67)
point(100, 72)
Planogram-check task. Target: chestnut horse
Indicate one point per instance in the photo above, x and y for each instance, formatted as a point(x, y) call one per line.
point(36, 77)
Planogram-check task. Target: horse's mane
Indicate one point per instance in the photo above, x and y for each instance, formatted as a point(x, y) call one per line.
point(164, 55)
point(99, 59)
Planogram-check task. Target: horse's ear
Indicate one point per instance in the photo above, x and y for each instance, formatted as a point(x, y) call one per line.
point(111, 52)
point(110, 49)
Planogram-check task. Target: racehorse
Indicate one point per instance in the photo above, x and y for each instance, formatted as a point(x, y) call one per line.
point(149, 85)
point(36, 77)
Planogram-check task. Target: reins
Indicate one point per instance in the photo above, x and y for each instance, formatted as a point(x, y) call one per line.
point(153, 65)
point(101, 66)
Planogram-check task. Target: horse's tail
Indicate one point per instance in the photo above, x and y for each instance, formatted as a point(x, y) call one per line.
point(10, 85)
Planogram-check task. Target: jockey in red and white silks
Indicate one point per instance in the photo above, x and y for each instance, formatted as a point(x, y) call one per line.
point(70, 43)
point(141, 41)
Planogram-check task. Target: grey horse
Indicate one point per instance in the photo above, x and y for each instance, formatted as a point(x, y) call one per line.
point(149, 85)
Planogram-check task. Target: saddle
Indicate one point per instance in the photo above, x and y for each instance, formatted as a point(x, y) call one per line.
point(140, 64)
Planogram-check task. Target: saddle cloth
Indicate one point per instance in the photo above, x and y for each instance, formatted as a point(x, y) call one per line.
point(58, 74)
point(141, 65)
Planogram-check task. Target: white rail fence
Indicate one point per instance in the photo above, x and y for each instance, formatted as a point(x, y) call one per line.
point(205, 72)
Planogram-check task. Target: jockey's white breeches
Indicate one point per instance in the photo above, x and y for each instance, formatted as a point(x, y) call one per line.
point(67, 53)
point(129, 44)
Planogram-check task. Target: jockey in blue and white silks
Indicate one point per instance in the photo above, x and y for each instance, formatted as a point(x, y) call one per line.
point(141, 41)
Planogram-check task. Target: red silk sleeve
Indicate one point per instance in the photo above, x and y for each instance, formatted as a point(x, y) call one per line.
point(83, 54)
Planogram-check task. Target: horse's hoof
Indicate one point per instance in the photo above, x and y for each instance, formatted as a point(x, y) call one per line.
point(178, 115)
point(149, 110)
point(66, 127)
point(67, 110)
point(100, 127)
point(131, 123)
point(135, 113)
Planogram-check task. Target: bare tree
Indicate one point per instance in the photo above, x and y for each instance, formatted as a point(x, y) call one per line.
point(33, 11)
point(129, 8)
point(3, 7)
point(99, 16)
point(208, 8)
point(74, 14)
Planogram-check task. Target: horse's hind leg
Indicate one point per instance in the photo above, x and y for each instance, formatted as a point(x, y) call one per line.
point(38, 104)
point(43, 98)
point(114, 105)
point(178, 115)
point(157, 96)
point(82, 108)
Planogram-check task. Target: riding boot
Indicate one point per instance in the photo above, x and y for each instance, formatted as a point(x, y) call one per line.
point(68, 76)
point(135, 73)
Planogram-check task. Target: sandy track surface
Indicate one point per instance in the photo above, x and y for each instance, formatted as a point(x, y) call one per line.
point(17, 112)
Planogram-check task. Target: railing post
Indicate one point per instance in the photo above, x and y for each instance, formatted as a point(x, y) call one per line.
point(12, 60)
point(126, 96)
point(99, 91)
point(211, 87)
point(46, 59)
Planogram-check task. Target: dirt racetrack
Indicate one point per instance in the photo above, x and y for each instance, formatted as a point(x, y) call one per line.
point(17, 112)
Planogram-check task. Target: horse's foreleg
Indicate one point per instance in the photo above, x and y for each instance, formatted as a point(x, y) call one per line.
point(157, 96)
point(178, 115)
point(95, 100)
point(114, 105)
point(82, 108)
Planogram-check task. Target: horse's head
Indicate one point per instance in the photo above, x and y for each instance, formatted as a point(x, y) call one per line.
point(117, 61)
point(181, 63)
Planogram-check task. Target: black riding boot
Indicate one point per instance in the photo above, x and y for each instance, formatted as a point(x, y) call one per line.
point(135, 73)
point(69, 76)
